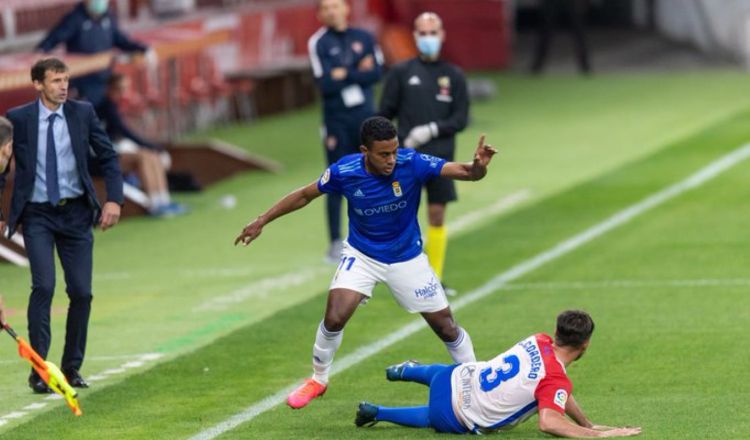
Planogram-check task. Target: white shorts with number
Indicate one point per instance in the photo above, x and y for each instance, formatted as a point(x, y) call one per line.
point(413, 283)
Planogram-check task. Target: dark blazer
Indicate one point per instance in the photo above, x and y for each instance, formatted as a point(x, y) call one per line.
point(86, 135)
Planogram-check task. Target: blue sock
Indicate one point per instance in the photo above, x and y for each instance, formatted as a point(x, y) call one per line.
point(422, 373)
point(415, 416)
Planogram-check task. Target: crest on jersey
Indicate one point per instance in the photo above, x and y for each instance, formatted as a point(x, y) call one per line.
point(358, 47)
point(325, 177)
point(444, 86)
point(561, 396)
point(397, 189)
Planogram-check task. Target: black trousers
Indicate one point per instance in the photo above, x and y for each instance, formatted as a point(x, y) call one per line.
point(68, 228)
point(575, 12)
point(341, 138)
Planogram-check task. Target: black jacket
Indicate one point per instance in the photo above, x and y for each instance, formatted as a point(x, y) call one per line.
point(86, 135)
point(418, 92)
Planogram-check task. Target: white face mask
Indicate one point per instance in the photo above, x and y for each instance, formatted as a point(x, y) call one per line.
point(98, 7)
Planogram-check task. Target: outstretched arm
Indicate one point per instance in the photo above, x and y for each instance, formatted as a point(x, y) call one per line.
point(475, 170)
point(576, 413)
point(552, 422)
point(293, 201)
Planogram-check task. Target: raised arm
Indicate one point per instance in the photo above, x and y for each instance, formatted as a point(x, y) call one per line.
point(293, 201)
point(475, 170)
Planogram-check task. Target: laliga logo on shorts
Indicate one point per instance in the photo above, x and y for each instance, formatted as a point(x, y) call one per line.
point(397, 189)
point(428, 291)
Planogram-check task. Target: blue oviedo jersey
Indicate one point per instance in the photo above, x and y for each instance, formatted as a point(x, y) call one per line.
point(383, 209)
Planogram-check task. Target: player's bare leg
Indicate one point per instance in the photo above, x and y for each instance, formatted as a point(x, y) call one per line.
point(342, 303)
point(456, 339)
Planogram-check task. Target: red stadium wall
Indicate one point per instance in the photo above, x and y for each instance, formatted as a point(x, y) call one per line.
point(477, 31)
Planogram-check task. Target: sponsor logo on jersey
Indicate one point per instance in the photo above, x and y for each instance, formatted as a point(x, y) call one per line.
point(382, 209)
point(561, 396)
point(464, 394)
point(414, 81)
point(325, 177)
point(358, 47)
point(397, 189)
point(428, 291)
point(359, 193)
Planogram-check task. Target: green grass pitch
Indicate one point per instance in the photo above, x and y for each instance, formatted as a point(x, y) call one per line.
point(668, 290)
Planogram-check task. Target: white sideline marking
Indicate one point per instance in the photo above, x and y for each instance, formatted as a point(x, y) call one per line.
point(138, 356)
point(620, 218)
point(629, 284)
point(139, 360)
point(471, 219)
point(261, 288)
point(456, 227)
point(14, 415)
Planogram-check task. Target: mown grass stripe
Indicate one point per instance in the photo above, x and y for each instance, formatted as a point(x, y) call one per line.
point(565, 247)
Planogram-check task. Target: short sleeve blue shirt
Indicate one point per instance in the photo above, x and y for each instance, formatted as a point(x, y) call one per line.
point(383, 209)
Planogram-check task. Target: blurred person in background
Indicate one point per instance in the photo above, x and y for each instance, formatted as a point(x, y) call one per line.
point(6, 145)
point(137, 154)
point(575, 13)
point(429, 99)
point(346, 63)
point(91, 28)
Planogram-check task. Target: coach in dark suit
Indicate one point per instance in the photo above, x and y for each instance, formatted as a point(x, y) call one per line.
point(54, 201)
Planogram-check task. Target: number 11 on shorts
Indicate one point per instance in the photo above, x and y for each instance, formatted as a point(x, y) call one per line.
point(344, 262)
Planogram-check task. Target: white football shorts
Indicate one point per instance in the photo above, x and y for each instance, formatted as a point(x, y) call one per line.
point(413, 283)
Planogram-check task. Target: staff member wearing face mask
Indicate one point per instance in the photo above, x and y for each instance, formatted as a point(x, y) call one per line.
point(429, 99)
point(90, 28)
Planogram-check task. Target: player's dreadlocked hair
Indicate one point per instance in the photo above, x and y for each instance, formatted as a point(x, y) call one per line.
point(377, 128)
point(574, 327)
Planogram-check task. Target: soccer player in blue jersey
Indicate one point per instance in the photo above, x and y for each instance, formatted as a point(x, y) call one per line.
point(382, 185)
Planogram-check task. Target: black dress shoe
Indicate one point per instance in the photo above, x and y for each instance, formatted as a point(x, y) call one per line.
point(74, 378)
point(37, 384)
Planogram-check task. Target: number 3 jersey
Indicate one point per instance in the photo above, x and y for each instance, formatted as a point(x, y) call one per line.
point(505, 391)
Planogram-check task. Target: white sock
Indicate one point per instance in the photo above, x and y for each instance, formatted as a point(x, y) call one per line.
point(326, 345)
point(461, 350)
point(164, 198)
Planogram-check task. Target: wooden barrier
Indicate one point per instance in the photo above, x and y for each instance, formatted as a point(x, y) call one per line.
point(215, 160)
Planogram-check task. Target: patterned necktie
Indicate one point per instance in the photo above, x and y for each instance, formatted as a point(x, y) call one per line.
point(53, 186)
